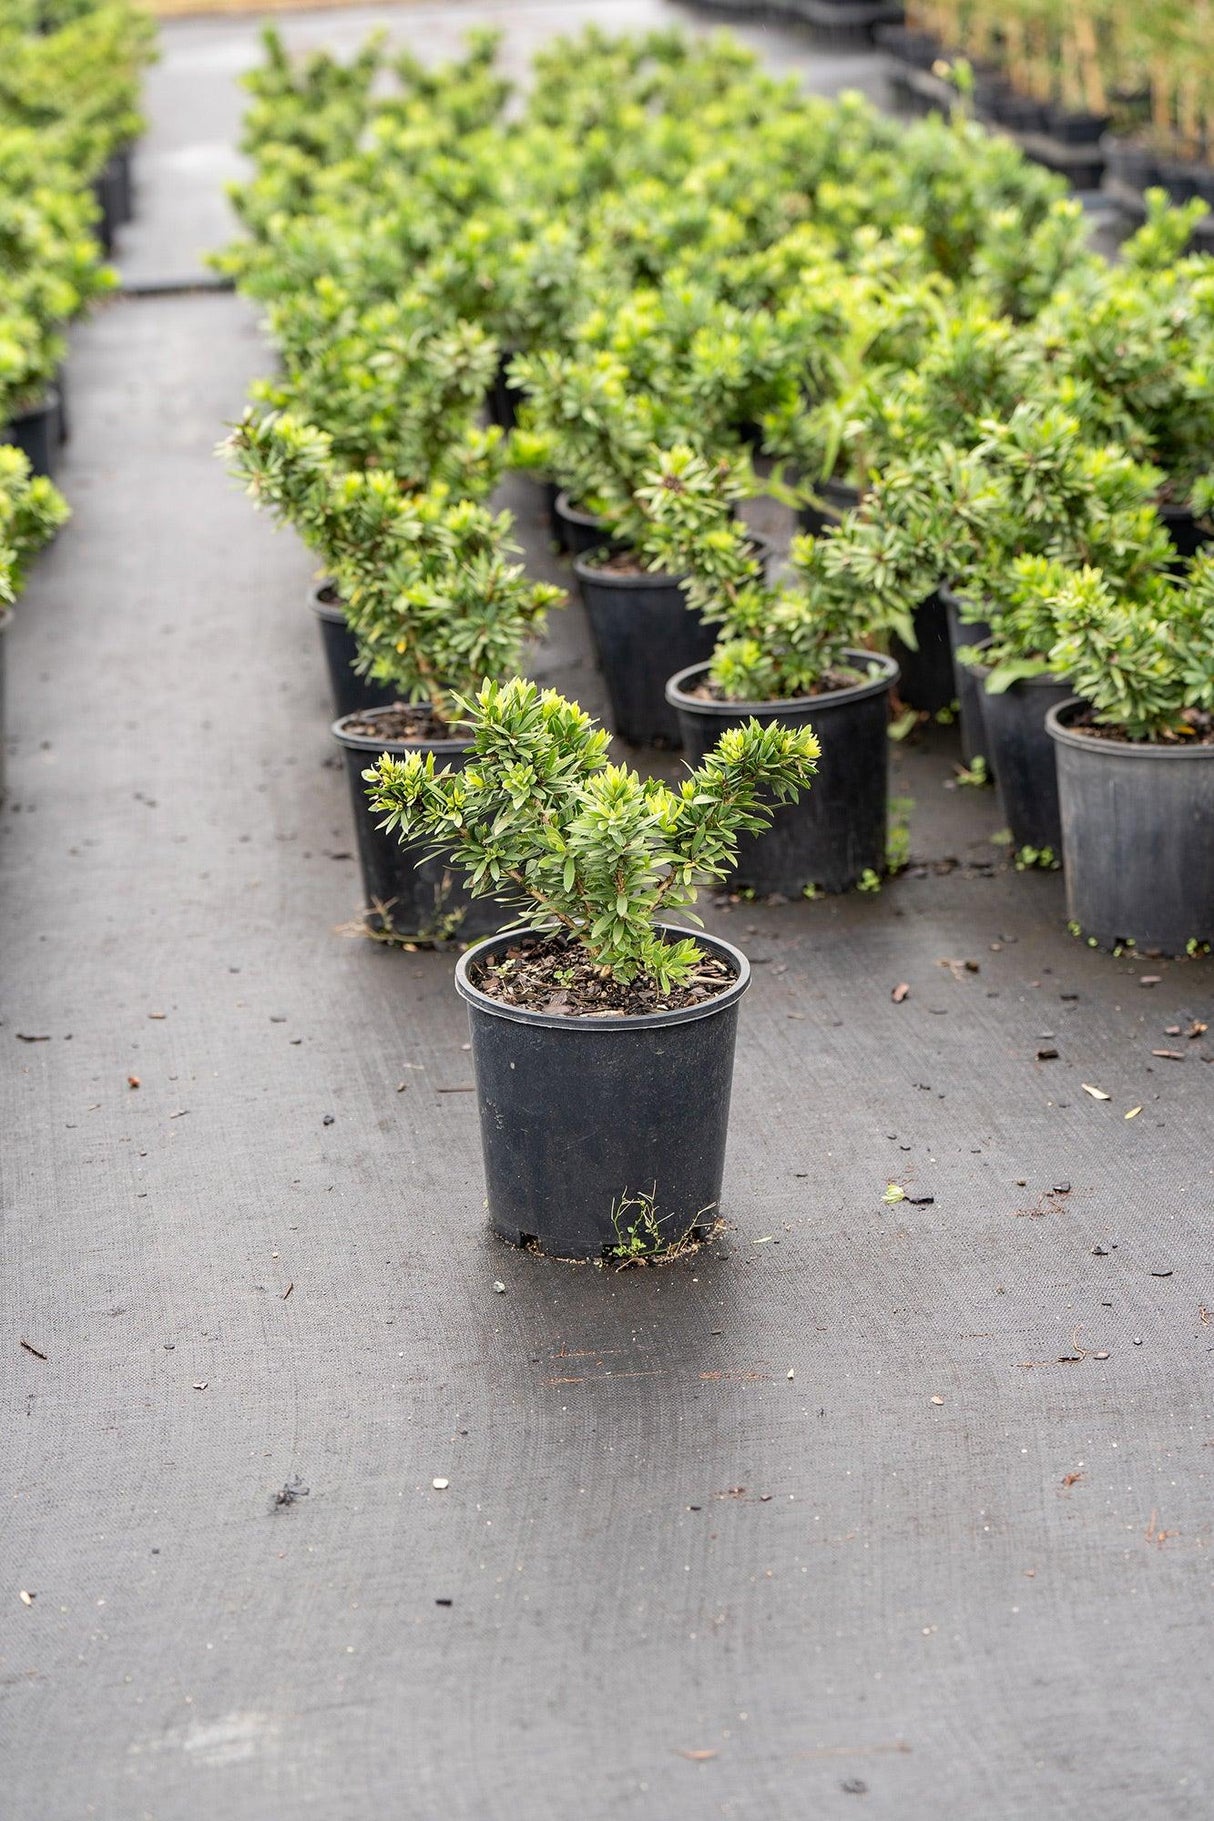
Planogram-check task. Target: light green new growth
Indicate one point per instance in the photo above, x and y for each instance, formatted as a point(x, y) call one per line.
point(538, 818)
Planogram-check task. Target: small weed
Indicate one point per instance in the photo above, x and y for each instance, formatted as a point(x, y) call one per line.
point(898, 840)
point(944, 717)
point(869, 881)
point(1042, 857)
point(1003, 837)
point(974, 775)
point(904, 723)
point(640, 1238)
point(812, 892)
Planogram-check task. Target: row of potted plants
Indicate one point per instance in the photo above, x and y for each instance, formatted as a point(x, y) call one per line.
point(1139, 78)
point(983, 423)
point(69, 80)
point(69, 76)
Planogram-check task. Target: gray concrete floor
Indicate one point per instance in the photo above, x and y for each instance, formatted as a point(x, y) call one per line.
point(958, 1563)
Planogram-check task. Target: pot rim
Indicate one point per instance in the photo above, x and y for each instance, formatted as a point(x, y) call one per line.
point(325, 610)
point(553, 1021)
point(42, 406)
point(982, 671)
point(361, 742)
point(830, 698)
point(578, 515)
point(587, 570)
point(1056, 726)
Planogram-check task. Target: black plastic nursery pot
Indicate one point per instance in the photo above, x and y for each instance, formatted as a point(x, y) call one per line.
point(1186, 532)
point(408, 892)
point(580, 532)
point(503, 399)
point(36, 432)
point(967, 687)
point(588, 1124)
point(842, 24)
point(837, 830)
point(837, 497)
point(351, 693)
point(928, 682)
point(643, 632)
point(122, 164)
point(1137, 837)
point(1020, 754)
point(1075, 127)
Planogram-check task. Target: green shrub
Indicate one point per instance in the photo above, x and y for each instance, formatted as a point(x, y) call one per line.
point(31, 511)
point(540, 820)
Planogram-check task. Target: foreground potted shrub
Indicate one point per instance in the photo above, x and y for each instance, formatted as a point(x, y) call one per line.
point(1135, 750)
point(31, 511)
point(785, 656)
point(602, 1035)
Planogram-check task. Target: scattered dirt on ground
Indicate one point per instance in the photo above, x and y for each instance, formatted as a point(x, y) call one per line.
point(400, 721)
point(555, 975)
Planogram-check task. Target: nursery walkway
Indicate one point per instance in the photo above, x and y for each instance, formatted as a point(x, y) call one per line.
point(900, 1510)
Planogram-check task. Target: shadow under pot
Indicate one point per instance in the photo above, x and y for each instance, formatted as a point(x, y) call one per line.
point(837, 831)
point(590, 1125)
point(643, 632)
point(1021, 754)
point(928, 682)
point(967, 687)
point(37, 433)
point(408, 891)
point(351, 693)
point(1137, 835)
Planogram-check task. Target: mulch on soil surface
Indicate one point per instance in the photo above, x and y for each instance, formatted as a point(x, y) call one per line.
point(555, 975)
point(400, 721)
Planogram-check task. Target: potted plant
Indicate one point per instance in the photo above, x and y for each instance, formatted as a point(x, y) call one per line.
point(1138, 339)
point(589, 422)
point(345, 515)
point(1135, 750)
point(602, 1035)
point(31, 511)
point(970, 364)
point(436, 608)
point(786, 656)
point(1031, 487)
